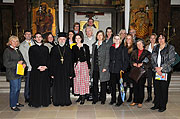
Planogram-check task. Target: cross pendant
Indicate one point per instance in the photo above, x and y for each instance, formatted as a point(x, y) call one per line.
point(62, 60)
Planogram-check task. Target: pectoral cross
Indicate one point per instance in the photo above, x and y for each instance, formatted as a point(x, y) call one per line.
point(62, 60)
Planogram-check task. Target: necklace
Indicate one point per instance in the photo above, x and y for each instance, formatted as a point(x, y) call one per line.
point(61, 55)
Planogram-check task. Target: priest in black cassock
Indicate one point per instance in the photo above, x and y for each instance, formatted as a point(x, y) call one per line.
point(62, 71)
point(39, 80)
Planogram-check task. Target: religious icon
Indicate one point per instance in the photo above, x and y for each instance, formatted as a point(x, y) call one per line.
point(43, 19)
point(142, 18)
point(83, 23)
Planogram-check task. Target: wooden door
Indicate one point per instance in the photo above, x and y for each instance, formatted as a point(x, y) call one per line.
point(6, 25)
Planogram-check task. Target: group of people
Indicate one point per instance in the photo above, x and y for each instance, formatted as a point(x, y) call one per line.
point(76, 59)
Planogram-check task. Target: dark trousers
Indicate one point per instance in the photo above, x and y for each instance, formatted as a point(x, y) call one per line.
point(114, 78)
point(161, 92)
point(26, 89)
point(139, 90)
point(96, 89)
point(149, 77)
point(15, 86)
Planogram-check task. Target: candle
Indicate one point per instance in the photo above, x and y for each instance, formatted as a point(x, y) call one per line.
point(174, 30)
point(11, 31)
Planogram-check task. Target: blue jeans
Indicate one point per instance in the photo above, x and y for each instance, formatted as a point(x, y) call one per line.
point(15, 86)
point(26, 89)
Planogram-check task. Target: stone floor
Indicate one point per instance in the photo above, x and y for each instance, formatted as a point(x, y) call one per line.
point(89, 111)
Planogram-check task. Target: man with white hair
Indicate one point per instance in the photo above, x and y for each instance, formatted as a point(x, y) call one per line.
point(133, 33)
point(89, 38)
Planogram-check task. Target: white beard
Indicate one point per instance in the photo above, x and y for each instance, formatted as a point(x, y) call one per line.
point(61, 44)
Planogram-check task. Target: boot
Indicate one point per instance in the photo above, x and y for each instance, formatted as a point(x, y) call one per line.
point(125, 90)
point(130, 95)
point(82, 100)
point(149, 90)
point(79, 99)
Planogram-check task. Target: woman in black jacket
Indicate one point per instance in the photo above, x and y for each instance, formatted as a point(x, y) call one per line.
point(140, 58)
point(128, 82)
point(163, 56)
point(81, 60)
point(118, 62)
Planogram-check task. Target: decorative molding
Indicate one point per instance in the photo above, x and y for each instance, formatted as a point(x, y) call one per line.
point(8, 1)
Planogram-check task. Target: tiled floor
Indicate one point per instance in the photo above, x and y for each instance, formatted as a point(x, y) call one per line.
point(89, 111)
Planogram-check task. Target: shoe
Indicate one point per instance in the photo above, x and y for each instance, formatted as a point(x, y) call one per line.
point(119, 104)
point(90, 98)
point(79, 99)
point(140, 105)
point(94, 102)
point(130, 95)
point(20, 105)
point(129, 99)
point(154, 108)
point(29, 105)
point(111, 103)
point(15, 108)
point(82, 102)
point(161, 110)
point(102, 102)
point(148, 100)
point(133, 104)
point(108, 90)
point(149, 90)
point(26, 100)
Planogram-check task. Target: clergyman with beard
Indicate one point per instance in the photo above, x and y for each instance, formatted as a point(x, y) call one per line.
point(61, 71)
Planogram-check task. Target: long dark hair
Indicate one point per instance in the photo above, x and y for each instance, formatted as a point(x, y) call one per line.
point(74, 38)
point(111, 30)
point(163, 35)
point(47, 34)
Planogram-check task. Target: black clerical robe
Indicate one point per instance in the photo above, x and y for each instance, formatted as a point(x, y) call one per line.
point(39, 80)
point(62, 73)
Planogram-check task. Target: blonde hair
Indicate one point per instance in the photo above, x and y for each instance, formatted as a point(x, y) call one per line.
point(120, 32)
point(12, 38)
point(120, 40)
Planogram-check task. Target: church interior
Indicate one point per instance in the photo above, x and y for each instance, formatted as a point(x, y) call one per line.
point(145, 16)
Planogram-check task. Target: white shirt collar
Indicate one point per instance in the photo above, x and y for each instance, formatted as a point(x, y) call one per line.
point(39, 44)
point(97, 43)
point(13, 48)
point(90, 38)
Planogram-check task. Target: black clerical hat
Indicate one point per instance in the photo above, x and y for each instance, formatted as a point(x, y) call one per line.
point(62, 34)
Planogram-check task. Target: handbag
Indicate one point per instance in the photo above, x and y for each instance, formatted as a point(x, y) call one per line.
point(136, 73)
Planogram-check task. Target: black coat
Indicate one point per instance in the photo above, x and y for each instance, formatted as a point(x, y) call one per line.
point(119, 59)
point(62, 73)
point(39, 80)
point(82, 54)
